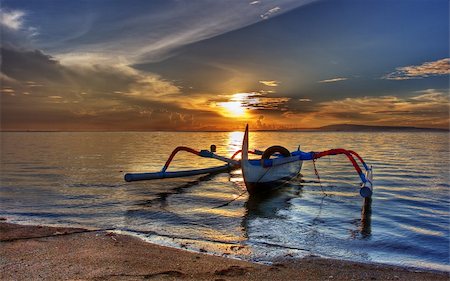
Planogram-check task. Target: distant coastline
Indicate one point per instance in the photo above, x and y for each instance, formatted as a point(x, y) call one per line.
point(369, 128)
point(329, 128)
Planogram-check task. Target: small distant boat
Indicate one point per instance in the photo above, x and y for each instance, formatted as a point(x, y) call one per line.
point(275, 167)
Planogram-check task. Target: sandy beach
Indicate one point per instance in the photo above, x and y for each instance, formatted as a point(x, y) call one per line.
point(59, 253)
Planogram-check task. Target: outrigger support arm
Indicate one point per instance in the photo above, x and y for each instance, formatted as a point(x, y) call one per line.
point(366, 178)
point(231, 164)
point(346, 153)
point(201, 153)
point(175, 151)
point(256, 152)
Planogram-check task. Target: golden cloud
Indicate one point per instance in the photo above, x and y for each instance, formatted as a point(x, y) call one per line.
point(429, 108)
point(427, 69)
point(270, 83)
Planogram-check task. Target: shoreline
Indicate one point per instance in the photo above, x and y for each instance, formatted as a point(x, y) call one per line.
point(43, 253)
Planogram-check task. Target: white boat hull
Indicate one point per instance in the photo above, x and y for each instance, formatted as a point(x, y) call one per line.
point(261, 179)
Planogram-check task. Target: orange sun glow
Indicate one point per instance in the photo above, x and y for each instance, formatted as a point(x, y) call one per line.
point(232, 108)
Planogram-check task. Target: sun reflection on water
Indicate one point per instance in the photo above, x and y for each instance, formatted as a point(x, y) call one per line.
point(234, 142)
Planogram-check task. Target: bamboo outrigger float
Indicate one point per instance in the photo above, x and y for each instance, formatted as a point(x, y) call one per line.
point(276, 166)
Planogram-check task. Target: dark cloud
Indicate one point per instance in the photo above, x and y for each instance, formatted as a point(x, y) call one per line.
point(23, 65)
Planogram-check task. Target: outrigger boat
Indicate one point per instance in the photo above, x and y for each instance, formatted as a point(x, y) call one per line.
point(275, 167)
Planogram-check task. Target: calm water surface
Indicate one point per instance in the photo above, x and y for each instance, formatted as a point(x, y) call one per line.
point(76, 179)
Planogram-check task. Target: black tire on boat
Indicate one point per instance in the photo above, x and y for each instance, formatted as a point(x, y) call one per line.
point(275, 149)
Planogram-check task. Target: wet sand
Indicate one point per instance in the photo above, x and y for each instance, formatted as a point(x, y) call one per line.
point(58, 253)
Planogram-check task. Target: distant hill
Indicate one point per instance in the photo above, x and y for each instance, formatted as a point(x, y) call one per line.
point(367, 128)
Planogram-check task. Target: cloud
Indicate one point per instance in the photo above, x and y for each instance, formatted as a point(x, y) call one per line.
point(255, 101)
point(7, 91)
point(427, 69)
point(259, 121)
point(12, 19)
point(15, 33)
point(254, 2)
point(337, 79)
point(33, 84)
point(91, 97)
point(304, 100)
point(270, 83)
point(429, 108)
point(150, 34)
point(270, 12)
point(6, 78)
point(36, 71)
point(431, 95)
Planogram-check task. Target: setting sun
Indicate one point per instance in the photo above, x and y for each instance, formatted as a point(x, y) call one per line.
point(237, 105)
point(233, 108)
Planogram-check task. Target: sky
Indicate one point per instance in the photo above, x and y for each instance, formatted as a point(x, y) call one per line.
point(218, 65)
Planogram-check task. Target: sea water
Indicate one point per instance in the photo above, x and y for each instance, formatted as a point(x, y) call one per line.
point(76, 179)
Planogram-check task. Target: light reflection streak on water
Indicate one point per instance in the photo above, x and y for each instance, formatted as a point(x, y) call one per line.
point(76, 179)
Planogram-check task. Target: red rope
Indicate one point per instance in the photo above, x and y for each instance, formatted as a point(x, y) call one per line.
point(316, 172)
point(318, 177)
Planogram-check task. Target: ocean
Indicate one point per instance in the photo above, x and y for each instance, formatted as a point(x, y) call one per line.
point(76, 179)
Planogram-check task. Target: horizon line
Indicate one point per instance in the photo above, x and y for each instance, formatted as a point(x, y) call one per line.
point(369, 128)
